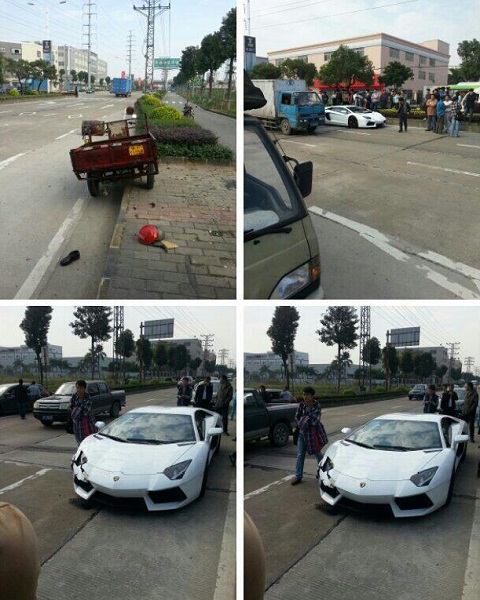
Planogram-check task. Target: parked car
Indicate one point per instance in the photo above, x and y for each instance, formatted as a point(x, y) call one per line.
point(417, 392)
point(153, 456)
point(8, 403)
point(353, 116)
point(57, 406)
point(275, 421)
point(404, 464)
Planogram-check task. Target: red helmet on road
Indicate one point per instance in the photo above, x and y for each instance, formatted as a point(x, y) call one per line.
point(149, 234)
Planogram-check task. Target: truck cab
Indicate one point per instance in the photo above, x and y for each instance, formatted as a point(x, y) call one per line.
point(299, 110)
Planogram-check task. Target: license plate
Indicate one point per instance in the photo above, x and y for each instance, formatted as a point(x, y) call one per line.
point(136, 150)
point(47, 419)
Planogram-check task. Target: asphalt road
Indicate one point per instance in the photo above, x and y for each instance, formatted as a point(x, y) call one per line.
point(395, 214)
point(312, 553)
point(106, 553)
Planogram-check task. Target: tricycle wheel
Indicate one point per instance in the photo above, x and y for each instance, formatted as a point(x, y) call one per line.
point(93, 185)
point(150, 176)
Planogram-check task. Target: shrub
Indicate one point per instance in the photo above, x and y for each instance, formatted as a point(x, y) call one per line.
point(379, 390)
point(14, 92)
point(165, 113)
point(202, 152)
point(183, 135)
point(149, 100)
point(31, 93)
point(349, 392)
point(133, 382)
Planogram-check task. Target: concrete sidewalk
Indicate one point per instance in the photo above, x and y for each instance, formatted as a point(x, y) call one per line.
point(195, 205)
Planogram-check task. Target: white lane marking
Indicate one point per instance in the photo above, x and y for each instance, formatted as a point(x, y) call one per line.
point(267, 487)
point(299, 143)
point(398, 406)
point(381, 241)
point(16, 485)
point(356, 132)
point(467, 146)
point(7, 161)
point(75, 116)
point(5, 111)
point(50, 115)
point(27, 113)
point(471, 583)
point(6, 125)
point(107, 106)
point(444, 169)
point(227, 566)
point(443, 261)
point(65, 134)
point(33, 280)
point(366, 414)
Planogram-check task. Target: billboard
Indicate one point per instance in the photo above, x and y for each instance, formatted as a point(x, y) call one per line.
point(166, 63)
point(156, 330)
point(408, 336)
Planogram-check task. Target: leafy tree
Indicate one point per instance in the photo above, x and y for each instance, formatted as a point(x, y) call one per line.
point(92, 79)
point(178, 357)
point(18, 365)
point(125, 347)
point(340, 366)
point(282, 332)
point(406, 363)
point(296, 68)
point(455, 374)
point(22, 70)
point(340, 329)
point(441, 372)
point(265, 372)
point(35, 325)
point(108, 80)
point(265, 71)
point(42, 71)
point(94, 357)
point(61, 75)
point(371, 354)
point(228, 36)
point(423, 364)
point(188, 65)
point(74, 75)
point(210, 57)
point(391, 362)
point(209, 366)
point(144, 355)
point(469, 52)
point(195, 364)
point(395, 74)
point(346, 67)
point(160, 355)
point(2, 78)
point(92, 322)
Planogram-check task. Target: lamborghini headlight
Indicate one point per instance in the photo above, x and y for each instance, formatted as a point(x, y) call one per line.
point(177, 471)
point(424, 478)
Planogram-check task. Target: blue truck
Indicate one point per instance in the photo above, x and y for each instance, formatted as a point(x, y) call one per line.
point(121, 87)
point(290, 105)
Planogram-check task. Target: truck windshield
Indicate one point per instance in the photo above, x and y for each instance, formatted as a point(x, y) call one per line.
point(270, 201)
point(307, 98)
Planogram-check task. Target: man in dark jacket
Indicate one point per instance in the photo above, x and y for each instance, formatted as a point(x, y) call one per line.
point(21, 396)
point(204, 393)
point(222, 401)
point(469, 408)
point(430, 400)
point(448, 402)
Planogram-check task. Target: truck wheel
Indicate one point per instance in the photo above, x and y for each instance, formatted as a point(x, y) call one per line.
point(150, 177)
point(115, 410)
point(311, 130)
point(93, 185)
point(279, 434)
point(285, 126)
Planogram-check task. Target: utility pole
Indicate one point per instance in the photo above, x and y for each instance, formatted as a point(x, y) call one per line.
point(469, 361)
point(118, 326)
point(207, 342)
point(387, 363)
point(129, 53)
point(247, 17)
point(222, 356)
point(454, 349)
point(150, 10)
point(89, 14)
point(364, 337)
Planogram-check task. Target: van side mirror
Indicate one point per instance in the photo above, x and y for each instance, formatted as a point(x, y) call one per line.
point(303, 175)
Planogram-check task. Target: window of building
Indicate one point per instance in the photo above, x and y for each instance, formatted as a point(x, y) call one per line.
point(2, 50)
point(327, 56)
point(15, 51)
point(39, 54)
point(421, 74)
point(394, 53)
point(304, 58)
point(423, 60)
point(431, 77)
point(409, 56)
point(431, 62)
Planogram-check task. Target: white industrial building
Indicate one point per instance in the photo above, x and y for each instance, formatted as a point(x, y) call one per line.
point(254, 362)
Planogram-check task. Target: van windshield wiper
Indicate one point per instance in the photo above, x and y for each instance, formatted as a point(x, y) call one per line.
point(268, 230)
point(358, 443)
point(144, 441)
point(113, 437)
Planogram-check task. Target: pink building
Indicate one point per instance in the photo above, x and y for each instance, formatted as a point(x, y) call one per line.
point(428, 60)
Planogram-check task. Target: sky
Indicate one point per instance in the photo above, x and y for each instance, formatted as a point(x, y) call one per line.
point(439, 326)
point(280, 24)
point(185, 24)
point(190, 322)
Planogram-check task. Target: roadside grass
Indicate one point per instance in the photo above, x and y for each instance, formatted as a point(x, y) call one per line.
point(53, 382)
point(217, 103)
point(177, 136)
point(328, 390)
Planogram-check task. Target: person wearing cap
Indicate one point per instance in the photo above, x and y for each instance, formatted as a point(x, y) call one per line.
point(19, 556)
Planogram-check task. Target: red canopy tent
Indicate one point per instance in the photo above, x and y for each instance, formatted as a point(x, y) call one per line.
point(358, 85)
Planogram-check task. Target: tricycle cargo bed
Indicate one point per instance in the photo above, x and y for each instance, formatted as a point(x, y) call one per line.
point(113, 155)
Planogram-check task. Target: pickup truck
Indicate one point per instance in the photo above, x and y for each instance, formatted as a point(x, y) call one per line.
point(261, 421)
point(57, 406)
